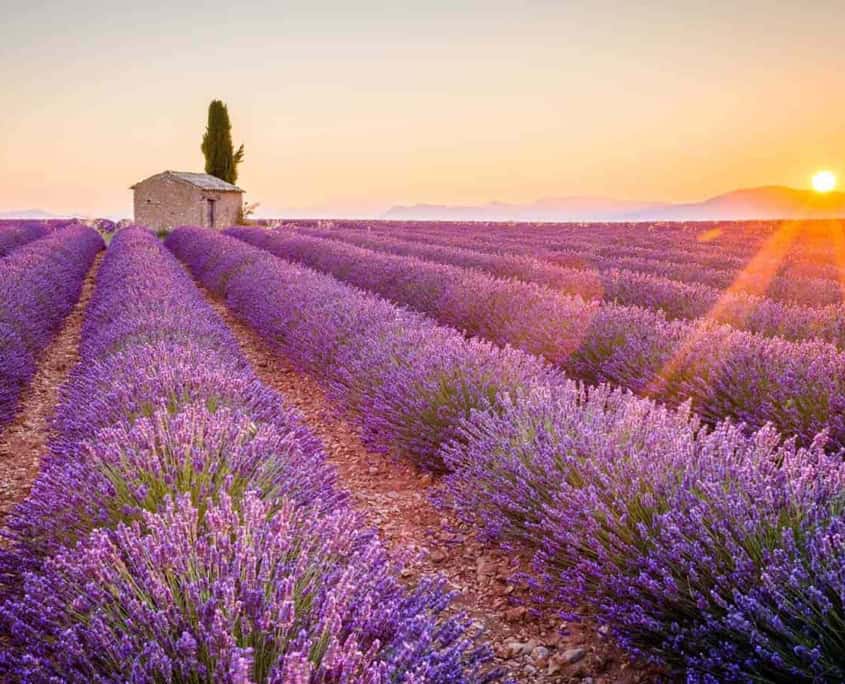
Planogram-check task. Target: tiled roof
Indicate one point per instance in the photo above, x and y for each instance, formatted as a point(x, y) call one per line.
point(202, 180)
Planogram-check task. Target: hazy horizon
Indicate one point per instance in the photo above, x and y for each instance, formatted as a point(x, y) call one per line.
point(738, 204)
point(351, 111)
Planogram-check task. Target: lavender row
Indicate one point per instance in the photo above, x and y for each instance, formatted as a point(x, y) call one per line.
point(699, 237)
point(720, 554)
point(799, 387)
point(811, 246)
point(412, 389)
point(774, 266)
point(739, 235)
point(712, 252)
point(715, 553)
point(708, 245)
point(805, 289)
point(761, 278)
point(628, 288)
point(185, 525)
point(16, 235)
point(39, 284)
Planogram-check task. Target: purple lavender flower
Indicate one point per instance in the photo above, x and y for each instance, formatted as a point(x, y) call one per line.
point(410, 381)
point(128, 468)
point(242, 593)
point(626, 287)
point(726, 373)
point(39, 284)
point(637, 513)
point(664, 529)
point(186, 526)
point(14, 235)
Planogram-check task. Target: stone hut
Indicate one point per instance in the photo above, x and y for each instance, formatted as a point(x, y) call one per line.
point(176, 198)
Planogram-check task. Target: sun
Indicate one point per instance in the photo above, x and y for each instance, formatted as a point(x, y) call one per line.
point(824, 181)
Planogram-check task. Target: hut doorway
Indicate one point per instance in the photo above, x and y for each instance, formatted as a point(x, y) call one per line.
point(209, 212)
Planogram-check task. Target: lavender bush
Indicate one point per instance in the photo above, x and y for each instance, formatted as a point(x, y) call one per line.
point(153, 377)
point(799, 387)
point(104, 225)
point(39, 284)
point(14, 235)
point(637, 248)
point(244, 593)
point(410, 381)
point(126, 469)
point(629, 288)
point(700, 549)
point(706, 550)
point(186, 526)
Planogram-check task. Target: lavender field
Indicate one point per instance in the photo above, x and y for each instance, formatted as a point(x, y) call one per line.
point(383, 451)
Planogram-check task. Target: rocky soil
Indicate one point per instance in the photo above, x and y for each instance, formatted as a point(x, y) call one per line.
point(532, 644)
point(23, 441)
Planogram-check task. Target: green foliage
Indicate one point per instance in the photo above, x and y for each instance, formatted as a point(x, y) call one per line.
point(246, 211)
point(221, 159)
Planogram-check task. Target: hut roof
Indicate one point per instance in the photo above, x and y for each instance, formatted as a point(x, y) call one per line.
point(200, 180)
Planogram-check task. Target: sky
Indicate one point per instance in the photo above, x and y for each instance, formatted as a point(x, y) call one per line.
point(348, 108)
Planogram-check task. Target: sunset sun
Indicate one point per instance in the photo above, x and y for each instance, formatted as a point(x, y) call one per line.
point(824, 181)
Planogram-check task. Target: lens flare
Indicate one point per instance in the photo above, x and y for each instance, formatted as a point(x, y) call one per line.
point(709, 235)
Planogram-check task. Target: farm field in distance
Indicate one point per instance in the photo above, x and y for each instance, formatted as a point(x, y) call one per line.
point(422, 451)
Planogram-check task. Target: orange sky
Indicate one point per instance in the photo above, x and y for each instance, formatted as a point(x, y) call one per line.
point(349, 110)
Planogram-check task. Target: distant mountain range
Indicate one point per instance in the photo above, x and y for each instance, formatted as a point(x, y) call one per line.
point(768, 202)
point(44, 214)
point(27, 214)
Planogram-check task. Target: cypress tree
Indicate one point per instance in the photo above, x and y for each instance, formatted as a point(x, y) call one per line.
point(221, 160)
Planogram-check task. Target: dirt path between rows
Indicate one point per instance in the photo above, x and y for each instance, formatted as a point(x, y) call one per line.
point(24, 440)
point(394, 497)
